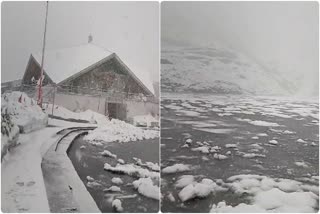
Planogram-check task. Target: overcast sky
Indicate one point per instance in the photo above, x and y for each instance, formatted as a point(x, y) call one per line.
point(131, 29)
point(281, 34)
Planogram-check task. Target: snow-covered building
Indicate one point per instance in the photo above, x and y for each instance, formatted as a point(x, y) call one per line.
point(90, 77)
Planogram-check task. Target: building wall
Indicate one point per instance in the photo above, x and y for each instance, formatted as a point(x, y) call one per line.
point(75, 103)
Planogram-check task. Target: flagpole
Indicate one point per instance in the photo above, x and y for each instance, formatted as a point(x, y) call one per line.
point(42, 59)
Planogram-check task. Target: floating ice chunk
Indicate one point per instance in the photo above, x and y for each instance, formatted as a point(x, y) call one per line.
point(204, 158)
point(228, 153)
point(288, 132)
point(146, 187)
point(188, 141)
point(184, 180)
point(176, 168)
point(107, 153)
point(200, 190)
point(253, 155)
point(229, 145)
point(82, 147)
point(301, 141)
point(185, 146)
point(171, 197)
point(95, 143)
point(116, 180)
point(89, 178)
point(301, 164)
point(262, 135)
point(150, 165)
point(273, 142)
point(205, 143)
point(112, 189)
point(199, 143)
point(219, 156)
point(267, 194)
point(93, 184)
point(121, 161)
point(202, 149)
point(255, 137)
point(313, 144)
point(263, 123)
point(224, 114)
point(132, 170)
point(117, 205)
point(222, 207)
point(287, 185)
point(280, 201)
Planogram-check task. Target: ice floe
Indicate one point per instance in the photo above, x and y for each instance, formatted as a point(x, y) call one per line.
point(146, 188)
point(176, 168)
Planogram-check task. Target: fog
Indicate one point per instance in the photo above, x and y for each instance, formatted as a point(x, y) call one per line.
point(130, 29)
point(282, 36)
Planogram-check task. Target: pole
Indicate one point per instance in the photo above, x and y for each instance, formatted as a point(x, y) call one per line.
point(54, 96)
point(42, 59)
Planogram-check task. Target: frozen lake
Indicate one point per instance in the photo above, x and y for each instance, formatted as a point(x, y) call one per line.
point(274, 138)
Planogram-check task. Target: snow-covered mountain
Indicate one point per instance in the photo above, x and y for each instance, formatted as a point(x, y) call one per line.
point(219, 70)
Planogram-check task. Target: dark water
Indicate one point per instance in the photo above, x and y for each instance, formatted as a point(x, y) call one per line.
point(278, 163)
point(88, 162)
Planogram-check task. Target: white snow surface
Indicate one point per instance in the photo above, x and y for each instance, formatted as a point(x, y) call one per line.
point(26, 114)
point(119, 131)
point(23, 165)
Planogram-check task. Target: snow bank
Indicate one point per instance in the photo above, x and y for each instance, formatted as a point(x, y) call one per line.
point(145, 120)
point(9, 134)
point(146, 187)
point(24, 111)
point(120, 131)
point(88, 115)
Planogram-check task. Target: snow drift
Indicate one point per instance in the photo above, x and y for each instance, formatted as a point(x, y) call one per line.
point(24, 111)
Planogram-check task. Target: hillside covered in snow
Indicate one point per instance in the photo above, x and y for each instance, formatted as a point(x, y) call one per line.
point(218, 70)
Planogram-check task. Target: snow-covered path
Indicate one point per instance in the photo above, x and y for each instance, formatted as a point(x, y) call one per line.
point(22, 185)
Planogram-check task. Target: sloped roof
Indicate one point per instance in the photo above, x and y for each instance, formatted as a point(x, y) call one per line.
point(63, 63)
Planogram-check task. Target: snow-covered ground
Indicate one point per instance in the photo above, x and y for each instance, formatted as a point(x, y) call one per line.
point(22, 185)
point(219, 70)
point(246, 154)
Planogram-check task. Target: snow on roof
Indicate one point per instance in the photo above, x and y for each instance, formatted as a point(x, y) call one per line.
point(62, 63)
